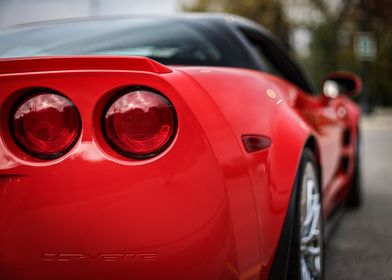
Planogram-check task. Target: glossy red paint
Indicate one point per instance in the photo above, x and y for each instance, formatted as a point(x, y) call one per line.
point(205, 208)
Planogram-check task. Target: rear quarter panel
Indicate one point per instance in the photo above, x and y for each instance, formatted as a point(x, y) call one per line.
point(256, 103)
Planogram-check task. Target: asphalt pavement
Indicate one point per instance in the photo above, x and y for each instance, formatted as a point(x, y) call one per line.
point(360, 246)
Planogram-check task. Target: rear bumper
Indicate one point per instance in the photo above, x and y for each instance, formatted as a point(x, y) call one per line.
point(83, 219)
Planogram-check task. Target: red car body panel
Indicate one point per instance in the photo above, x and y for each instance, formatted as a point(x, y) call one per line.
point(203, 209)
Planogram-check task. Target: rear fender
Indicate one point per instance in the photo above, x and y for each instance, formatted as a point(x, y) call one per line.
point(257, 103)
point(228, 151)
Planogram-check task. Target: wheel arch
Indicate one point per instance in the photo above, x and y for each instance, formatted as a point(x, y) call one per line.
point(280, 265)
point(313, 145)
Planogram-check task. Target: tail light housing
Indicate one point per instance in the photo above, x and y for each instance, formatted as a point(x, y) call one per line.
point(46, 124)
point(254, 143)
point(139, 123)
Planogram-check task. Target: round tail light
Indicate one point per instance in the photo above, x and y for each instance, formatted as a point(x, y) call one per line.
point(139, 123)
point(46, 125)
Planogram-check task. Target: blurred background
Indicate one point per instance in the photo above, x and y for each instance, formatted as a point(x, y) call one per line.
point(324, 36)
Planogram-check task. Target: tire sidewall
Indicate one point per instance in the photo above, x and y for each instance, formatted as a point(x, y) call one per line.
point(294, 271)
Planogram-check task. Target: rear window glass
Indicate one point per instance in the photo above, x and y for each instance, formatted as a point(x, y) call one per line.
point(168, 41)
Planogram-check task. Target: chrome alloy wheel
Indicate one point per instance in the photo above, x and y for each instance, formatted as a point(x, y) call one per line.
point(311, 239)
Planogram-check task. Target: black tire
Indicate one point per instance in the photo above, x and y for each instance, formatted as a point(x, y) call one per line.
point(294, 267)
point(354, 197)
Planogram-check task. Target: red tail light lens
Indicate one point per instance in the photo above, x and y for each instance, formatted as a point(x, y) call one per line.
point(45, 125)
point(139, 124)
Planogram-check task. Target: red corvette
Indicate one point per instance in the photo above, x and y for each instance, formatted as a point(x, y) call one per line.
point(182, 147)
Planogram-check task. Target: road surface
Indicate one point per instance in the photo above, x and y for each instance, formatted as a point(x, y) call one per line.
point(360, 246)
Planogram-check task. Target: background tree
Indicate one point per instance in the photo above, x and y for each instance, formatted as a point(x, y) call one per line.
point(331, 33)
point(332, 26)
point(269, 13)
point(381, 72)
point(282, 17)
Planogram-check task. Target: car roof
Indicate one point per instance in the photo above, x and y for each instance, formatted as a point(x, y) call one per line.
point(215, 20)
point(222, 18)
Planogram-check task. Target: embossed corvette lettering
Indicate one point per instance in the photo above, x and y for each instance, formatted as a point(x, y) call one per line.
point(86, 257)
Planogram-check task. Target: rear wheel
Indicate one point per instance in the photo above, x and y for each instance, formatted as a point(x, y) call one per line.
point(307, 252)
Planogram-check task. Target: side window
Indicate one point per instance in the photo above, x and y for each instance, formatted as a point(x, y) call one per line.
point(275, 60)
point(267, 63)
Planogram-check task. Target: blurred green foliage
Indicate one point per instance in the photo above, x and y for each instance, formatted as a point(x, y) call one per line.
point(268, 13)
point(381, 68)
point(327, 51)
point(332, 31)
point(323, 53)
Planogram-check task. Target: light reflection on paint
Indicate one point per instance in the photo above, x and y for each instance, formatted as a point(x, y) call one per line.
point(229, 19)
point(6, 162)
point(271, 93)
point(304, 126)
point(89, 152)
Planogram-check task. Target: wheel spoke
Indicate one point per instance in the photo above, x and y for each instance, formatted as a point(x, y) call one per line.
point(310, 217)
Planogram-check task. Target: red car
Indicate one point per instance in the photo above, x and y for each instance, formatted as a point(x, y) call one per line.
point(181, 147)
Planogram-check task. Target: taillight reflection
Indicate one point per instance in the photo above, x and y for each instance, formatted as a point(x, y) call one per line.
point(45, 125)
point(139, 123)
